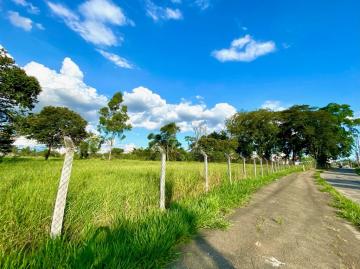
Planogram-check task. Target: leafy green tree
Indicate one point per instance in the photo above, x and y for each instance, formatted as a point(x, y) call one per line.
point(52, 124)
point(255, 131)
point(166, 138)
point(113, 121)
point(18, 94)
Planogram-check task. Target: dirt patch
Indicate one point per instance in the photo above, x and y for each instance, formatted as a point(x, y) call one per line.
point(287, 224)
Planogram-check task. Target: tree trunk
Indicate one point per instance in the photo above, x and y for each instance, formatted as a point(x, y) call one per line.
point(111, 145)
point(47, 155)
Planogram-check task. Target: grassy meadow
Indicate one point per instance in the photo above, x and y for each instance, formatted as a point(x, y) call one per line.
point(112, 218)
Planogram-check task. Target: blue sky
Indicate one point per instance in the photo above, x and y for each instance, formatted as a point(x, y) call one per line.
point(188, 60)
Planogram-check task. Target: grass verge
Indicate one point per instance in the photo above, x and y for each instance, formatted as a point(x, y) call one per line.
point(347, 209)
point(132, 234)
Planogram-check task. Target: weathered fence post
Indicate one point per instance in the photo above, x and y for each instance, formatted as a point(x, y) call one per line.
point(267, 167)
point(59, 209)
point(162, 177)
point(205, 170)
point(254, 167)
point(244, 166)
point(272, 166)
point(261, 167)
point(303, 167)
point(228, 157)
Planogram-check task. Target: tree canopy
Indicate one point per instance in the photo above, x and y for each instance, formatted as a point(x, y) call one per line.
point(166, 139)
point(113, 120)
point(18, 94)
point(323, 133)
point(52, 124)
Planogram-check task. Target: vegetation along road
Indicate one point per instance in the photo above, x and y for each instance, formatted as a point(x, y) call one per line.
point(288, 224)
point(345, 181)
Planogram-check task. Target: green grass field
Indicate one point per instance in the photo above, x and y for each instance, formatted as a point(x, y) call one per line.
point(112, 218)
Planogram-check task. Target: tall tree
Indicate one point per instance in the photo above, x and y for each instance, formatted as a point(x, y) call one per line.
point(52, 124)
point(113, 121)
point(18, 94)
point(166, 138)
point(255, 131)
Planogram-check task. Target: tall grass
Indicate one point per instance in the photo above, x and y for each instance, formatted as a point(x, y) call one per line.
point(112, 218)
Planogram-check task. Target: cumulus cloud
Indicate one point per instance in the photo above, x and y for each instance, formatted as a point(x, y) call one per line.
point(116, 59)
point(19, 21)
point(149, 110)
point(66, 88)
point(93, 20)
point(244, 49)
point(273, 105)
point(158, 13)
point(146, 108)
point(23, 142)
point(28, 5)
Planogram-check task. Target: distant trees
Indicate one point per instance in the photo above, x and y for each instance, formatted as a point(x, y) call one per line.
point(18, 94)
point(255, 131)
point(167, 139)
point(113, 120)
point(90, 146)
point(323, 133)
point(52, 124)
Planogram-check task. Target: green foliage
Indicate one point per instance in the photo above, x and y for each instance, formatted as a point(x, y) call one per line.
point(166, 139)
point(112, 218)
point(18, 94)
point(215, 145)
point(323, 133)
point(255, 131)
point(347, 208)
point(52, 124)
point(113, 120)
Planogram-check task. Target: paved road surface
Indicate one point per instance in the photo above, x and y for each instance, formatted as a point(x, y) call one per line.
point(287, 224)
point(345, 181)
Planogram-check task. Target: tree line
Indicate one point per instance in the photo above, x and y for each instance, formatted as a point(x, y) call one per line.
point(323, 133)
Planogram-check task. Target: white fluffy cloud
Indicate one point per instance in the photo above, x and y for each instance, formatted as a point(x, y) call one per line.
point(66, 88)
point(244, 49)
point(148, 110)
point(93, 20)
point(116, 59)
point(273, 105)
point(28, 5)
point(19, 21)
point(158, 13)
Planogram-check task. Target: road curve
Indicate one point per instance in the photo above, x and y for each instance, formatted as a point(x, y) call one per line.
point(287, 224)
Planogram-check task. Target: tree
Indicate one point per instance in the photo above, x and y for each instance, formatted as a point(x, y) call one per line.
point(52, 124)
point(18, 94)
point(255, 131)
point(113, 121)
point(166, 138)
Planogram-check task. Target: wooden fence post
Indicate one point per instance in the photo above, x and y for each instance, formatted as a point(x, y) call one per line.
point(162, 177)
point(254, 167)
point(267, 167)
point(59, 209)
point(228, 156)
point(244, 166)
point(261, 167)
point(205, 170)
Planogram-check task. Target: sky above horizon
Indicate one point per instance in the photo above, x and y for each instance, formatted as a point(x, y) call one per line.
point(186, 61)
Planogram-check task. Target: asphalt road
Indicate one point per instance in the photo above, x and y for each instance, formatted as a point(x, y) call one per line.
point(287, 224)
point(346, 181)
